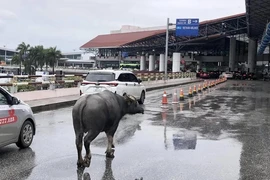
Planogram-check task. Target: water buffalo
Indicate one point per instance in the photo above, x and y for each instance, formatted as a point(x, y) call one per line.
point(97, 113)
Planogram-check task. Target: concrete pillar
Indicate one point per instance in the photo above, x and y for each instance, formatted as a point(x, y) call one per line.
point(161, 62)
point(232, 55)
point(199, 65)
point(151, 63)
point(176, 62)
point(252, 50)
point(6, 57)
point(142, 63)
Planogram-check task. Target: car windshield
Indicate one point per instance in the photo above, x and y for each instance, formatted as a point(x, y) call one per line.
point(100, 76)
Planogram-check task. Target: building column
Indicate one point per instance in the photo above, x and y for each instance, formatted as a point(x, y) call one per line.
point(161, 62)
point(151, 63)
point(142, 63)
point(176, 62)
point(199, 65)
point(232, 55)
point(6, 57)
point(252, 51)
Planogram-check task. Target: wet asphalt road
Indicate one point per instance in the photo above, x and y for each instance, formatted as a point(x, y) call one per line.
point(221, 134)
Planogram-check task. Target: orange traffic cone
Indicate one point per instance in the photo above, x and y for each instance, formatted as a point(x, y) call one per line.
point(190, 92)
point(175, 99)
point(204, 86)
point(181, 98)
point(164, 98)
point(195, 90)
point(199, 89)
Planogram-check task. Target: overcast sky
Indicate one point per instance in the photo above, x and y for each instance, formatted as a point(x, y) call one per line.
point(68, 24)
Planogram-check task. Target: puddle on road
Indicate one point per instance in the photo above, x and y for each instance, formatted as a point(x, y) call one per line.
point(240, 115)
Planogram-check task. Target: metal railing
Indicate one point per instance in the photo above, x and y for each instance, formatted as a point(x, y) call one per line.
point(19, 83)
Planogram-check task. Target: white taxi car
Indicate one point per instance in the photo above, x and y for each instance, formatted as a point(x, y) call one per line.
point(117, 81)
point(17, 122)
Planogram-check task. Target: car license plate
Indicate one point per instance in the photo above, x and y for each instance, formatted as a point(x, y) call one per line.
point(98, 89)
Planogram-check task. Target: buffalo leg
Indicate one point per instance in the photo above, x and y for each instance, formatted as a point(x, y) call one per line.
point(110, 144)
point(109, 152)
point(91, 135)
point(79, 138)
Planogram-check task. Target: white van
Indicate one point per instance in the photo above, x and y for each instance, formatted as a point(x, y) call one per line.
point(117, 81)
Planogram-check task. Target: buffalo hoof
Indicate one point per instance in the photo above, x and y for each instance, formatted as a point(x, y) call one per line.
point(110, 154)
point(80, 164)
point(86, 162)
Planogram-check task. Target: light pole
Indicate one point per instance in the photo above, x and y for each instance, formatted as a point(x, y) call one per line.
point(166, 48)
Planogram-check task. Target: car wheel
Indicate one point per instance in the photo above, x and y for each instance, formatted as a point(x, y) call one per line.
point(142, 98)
point(26, 135)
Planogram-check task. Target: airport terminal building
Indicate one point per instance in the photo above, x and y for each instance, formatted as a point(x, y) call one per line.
point(227, 43)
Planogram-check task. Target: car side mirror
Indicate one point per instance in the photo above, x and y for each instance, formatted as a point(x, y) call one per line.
point(139, 81)
point(14, 101)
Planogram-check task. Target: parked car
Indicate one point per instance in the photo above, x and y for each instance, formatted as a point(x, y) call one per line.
point(204, 75)
point(228, 75)
point(17, 122)
point(252, 76)
point(214, 74)
point(240, 75)
point(244, 75)
point(237, 75)
point(117, 81)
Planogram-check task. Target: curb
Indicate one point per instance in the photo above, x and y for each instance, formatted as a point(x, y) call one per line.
point(63, 104)
point(53, 106)
point(171, 85)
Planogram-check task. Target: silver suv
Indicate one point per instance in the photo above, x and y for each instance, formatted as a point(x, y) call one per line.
point(17, 122)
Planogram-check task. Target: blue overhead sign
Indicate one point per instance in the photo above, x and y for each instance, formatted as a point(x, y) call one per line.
point(187, 27)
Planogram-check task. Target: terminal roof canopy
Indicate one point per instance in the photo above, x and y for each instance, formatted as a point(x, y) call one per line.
point(120, 39)
point(258, 15)
point(235, 24)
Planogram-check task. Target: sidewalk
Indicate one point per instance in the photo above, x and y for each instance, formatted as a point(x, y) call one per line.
point(44, 100)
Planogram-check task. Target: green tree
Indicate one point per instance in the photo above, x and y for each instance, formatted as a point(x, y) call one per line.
point(23, 50)
point(53, 56)
point(37, 57)
point(15, 59)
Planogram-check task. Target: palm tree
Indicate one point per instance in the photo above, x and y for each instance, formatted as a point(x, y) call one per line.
point(53, 56)
point(46, 58)
point(38, 56)
point(23, 49)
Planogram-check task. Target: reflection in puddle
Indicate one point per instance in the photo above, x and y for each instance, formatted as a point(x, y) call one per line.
point(185, 140)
